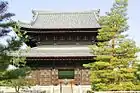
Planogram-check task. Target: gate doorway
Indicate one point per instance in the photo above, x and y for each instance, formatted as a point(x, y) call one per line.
point(66, 73)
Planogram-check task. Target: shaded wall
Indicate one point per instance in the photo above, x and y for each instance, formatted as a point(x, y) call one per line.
point(46, 73)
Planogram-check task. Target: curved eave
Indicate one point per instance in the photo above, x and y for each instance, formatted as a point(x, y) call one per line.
point(29, 27)
point(61, 58)
point(60, 30)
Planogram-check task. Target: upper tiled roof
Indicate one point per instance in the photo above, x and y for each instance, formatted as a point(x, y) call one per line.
point(52, 20)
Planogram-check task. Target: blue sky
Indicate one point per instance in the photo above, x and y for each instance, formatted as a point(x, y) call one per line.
point(23, 10)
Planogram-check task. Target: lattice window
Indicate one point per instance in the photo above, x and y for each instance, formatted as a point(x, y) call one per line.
point(38, 38)
point(78, 38)
point(93, 38)
point(70, 38)
point(46, 38)
point(61, 38)
point(85, 38)
point(54, 38)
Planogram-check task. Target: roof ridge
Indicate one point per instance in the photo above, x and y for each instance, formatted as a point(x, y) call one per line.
point(67, 12)
point(21, 22)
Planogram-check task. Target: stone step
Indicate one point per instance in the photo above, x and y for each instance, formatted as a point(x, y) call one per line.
point(67, 89)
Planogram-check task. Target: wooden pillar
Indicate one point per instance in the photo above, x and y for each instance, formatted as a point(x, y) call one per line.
point(37, 76)
point(53, 65)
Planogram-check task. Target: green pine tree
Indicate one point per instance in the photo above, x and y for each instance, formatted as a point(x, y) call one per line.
point(138, 72)
point(115, 65)
point(13, 43)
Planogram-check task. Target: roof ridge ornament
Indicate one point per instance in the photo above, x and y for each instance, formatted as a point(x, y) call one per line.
point(34, 18)
point(97, 14)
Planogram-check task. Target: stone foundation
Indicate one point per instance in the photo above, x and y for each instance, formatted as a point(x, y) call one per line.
point(50, 89)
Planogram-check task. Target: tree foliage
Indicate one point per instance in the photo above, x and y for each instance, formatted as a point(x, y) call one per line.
point(115, 65)
point(12, 44)
point(17, 79)
point(138, 72)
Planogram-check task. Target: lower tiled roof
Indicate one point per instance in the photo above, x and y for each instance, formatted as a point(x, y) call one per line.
point(58, 51)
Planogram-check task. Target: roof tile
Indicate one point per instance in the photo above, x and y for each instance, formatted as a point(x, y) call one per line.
point(50, 20)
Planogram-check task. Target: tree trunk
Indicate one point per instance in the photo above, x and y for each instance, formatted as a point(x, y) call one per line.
point(17, 89)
